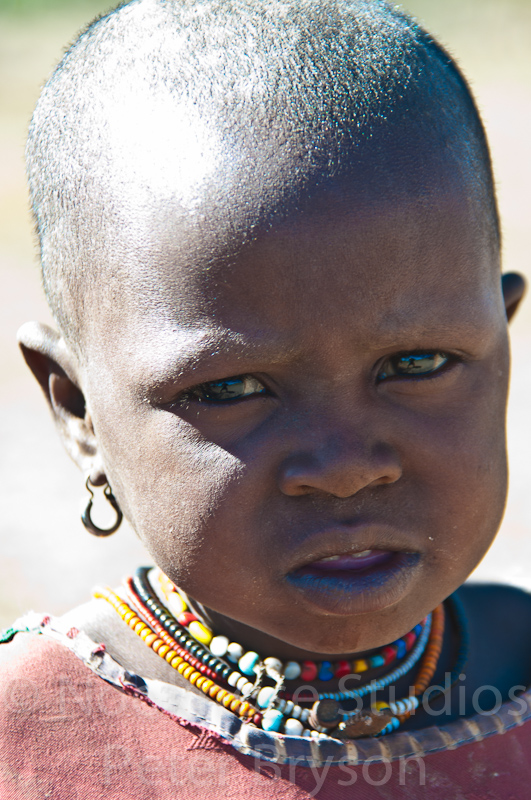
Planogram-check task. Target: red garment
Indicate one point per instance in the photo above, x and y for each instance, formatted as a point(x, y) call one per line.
point(66, 734)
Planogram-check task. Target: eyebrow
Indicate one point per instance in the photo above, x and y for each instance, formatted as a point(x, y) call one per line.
point(200, 354)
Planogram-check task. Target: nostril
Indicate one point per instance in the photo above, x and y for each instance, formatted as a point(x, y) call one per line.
point(341, 474)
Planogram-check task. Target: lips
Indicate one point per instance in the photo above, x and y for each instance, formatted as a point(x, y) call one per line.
point(355, 570)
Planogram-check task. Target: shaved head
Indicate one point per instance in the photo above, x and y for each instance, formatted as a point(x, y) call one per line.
point(226, 116)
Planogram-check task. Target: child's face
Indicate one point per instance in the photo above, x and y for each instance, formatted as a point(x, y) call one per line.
point(326, 452)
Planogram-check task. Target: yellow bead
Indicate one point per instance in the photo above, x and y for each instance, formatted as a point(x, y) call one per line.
point(207, 686)
point(228, 699)
point(157, 644)
point(176, 661)
point(145, 633)
point(379, 705)
point(199, 632)
point(150, 638)
point(187, 672)
point(200, 681)
point(129, 616)
point(182, 666)
point(360, 665)
point(163, 649)
point(169, 655)
point(139, 627)
point(193, 677)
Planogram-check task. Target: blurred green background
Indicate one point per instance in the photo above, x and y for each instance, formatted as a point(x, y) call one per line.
point(47, 560)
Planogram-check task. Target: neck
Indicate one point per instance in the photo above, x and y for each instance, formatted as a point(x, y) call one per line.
point(263, 643)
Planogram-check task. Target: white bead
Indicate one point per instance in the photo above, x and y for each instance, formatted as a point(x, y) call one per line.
point(306, 734)
point(305, 715)
point(234, 651)
point(314, 734)
point(296, 712)
point(290, 705)
point(241, 683)
point(292, 670)
point(247, 689)
point(281, 705)
point(272, 665)
point(233, 678)
point(219, 646)
point(264, 696)
point(292, 727)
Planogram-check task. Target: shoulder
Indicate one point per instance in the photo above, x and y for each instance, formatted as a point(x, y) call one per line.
point(499, 620)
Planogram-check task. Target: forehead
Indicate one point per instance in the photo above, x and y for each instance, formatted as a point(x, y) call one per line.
point(368, 267)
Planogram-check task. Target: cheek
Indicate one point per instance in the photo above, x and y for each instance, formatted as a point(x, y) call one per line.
point(170, 484)
point(460, 461)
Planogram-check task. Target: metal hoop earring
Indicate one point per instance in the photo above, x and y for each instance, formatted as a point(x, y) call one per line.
point(86, 519)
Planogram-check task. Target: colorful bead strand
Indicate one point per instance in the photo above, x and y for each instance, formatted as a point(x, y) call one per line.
point(180, 664)
point(404, 708)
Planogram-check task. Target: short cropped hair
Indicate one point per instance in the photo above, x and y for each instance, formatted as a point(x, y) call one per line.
point(292, 88)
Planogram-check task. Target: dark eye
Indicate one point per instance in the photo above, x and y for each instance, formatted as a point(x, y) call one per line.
point(412, 364)
point(228, 389)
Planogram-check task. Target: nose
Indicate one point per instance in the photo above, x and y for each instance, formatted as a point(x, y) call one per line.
point(338, 464)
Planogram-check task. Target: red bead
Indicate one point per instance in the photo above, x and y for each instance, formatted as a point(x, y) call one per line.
point(410, 640)
point(257, 719)
point(308, 671)
point(389, 653)
point(186, 618)
point(343, 668)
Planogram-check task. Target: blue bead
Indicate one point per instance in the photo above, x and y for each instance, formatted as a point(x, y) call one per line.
point(326, 673)
point(272, 720)
point(400, 648)
point(248, 662)
point(376, 661)
point(417, 629)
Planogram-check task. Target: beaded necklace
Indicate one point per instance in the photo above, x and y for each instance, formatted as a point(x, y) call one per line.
point(306, 671)
point(170, 639)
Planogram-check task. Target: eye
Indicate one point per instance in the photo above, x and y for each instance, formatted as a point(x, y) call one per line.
point(412, 364)
point(227, 389)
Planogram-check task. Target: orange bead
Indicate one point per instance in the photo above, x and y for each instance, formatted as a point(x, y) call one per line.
point(235, 706)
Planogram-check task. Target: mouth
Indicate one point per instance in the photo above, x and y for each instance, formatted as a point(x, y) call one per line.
point(357, 581)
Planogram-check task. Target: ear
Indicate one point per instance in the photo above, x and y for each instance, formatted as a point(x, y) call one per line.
point(513, 290)
point(49, 358)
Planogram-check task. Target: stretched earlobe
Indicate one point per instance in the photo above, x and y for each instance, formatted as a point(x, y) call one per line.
point(513, 289)
point(48, 357)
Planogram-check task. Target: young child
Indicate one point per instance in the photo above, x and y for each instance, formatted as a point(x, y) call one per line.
point(270, 241)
